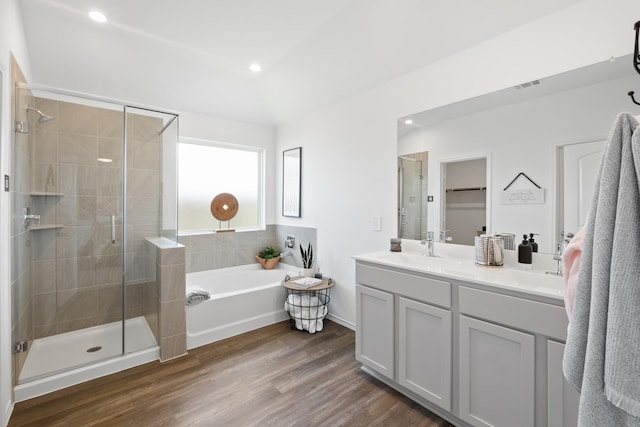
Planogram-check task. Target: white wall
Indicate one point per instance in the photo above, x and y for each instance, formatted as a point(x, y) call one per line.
point(349, 149)
point(11, 40)
point(221, 130)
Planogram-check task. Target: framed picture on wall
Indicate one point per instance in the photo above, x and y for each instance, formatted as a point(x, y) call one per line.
point(291, 174)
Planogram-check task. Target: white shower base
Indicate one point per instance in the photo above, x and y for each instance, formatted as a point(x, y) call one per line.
point(62, 360)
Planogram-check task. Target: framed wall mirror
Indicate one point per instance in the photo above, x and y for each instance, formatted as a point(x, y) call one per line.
point(291, 181)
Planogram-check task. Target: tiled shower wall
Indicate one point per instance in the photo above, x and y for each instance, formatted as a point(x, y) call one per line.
point(210, 251)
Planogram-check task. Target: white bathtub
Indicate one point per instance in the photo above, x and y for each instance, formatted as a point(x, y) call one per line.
point(242, 299)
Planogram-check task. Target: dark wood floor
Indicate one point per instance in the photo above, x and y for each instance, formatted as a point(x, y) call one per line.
point(273, 376)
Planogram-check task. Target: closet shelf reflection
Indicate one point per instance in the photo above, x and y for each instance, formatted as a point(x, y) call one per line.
point(453, 190)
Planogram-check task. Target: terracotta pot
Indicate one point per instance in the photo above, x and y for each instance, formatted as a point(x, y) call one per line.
point(268, 264)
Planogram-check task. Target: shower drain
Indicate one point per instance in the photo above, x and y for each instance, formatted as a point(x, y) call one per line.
point(94, 349)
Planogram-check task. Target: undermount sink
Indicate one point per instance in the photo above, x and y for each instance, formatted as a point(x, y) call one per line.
point(531, 280)
point(418, 258)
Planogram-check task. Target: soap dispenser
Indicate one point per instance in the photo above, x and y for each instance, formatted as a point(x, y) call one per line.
point(534, 245)
point(525, 254)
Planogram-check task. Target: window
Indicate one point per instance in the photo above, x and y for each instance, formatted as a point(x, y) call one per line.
point(208, 168)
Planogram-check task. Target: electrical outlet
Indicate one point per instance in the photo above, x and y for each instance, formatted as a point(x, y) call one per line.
point(376, 223)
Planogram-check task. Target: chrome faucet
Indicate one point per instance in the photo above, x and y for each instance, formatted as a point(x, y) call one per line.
point(557, 256)
point(429, 241)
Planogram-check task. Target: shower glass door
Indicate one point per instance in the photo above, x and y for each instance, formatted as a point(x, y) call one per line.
point(93, 181)
point(151, 138)
point(68, 235)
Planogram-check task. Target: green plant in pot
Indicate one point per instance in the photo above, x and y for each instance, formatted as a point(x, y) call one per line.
point(268, 257)
point(307, 260)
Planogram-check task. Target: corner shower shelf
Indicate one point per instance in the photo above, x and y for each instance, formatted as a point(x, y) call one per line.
point(45, 227)
point(44, 193)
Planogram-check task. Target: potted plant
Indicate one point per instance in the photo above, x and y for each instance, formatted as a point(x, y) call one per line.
point(307, 260)
point(268, 257)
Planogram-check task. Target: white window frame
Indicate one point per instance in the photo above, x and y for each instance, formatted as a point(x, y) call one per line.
point(261, 179)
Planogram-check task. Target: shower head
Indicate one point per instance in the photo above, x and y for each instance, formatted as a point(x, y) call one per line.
point(43, 117)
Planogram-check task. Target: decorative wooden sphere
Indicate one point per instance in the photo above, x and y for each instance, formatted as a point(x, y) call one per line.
point(224, 206)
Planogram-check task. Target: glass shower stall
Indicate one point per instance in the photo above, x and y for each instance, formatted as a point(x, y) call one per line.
point(412, 187)
point(91, 181)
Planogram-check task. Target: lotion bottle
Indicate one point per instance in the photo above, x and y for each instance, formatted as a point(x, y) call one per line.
point(525, 252)
point(534, 245)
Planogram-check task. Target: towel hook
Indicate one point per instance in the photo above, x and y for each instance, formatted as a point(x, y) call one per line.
point(636, 52)
point(636, 58)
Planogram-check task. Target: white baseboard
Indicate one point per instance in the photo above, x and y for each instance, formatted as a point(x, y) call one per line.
point(342, 322)
point(7, 414)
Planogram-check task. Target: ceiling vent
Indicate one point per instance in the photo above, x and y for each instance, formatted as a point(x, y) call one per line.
point(528, 84)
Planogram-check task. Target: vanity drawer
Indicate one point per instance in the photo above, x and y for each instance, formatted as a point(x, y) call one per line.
point(546, 319)
point(416, 287)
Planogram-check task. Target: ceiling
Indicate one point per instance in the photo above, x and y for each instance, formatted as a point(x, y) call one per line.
point(194, 55)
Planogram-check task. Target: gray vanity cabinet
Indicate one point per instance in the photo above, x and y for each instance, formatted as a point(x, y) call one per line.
point(374, 333)
point(404, 331)
point(496, 375)
point(424, 351)
point(475, 354)
point(562, 398)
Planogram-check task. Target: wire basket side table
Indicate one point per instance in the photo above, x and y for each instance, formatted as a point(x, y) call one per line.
point(307, 307)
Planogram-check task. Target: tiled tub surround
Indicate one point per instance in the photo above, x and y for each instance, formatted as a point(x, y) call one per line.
point(303, 236)
point(210, 251)
point(168, 305)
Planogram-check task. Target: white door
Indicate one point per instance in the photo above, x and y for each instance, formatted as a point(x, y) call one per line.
point(581, 165)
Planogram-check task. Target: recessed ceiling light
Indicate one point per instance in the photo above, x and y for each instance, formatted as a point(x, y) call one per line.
point(255, 67)
point(408, 121)
point(97, 16)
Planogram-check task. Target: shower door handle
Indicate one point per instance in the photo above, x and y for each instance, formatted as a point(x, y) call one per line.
point(113, 228)
point(403, 217)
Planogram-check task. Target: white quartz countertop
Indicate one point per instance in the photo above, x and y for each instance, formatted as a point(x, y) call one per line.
point(458, 263)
